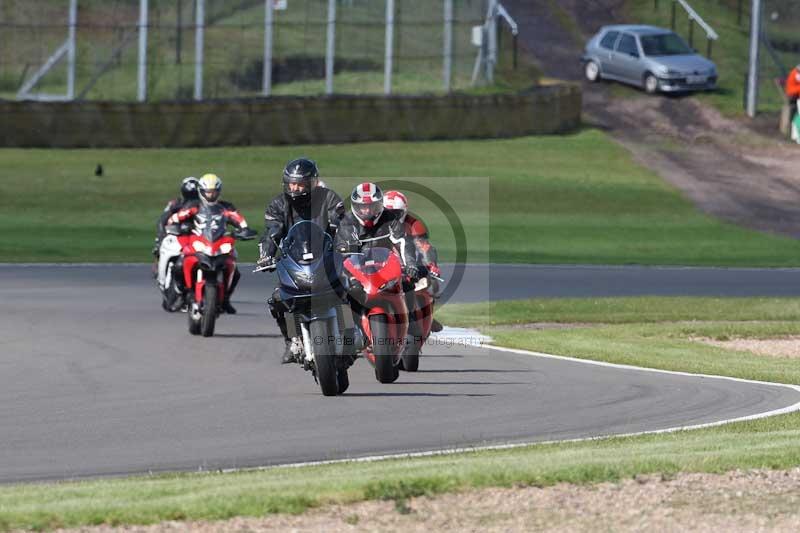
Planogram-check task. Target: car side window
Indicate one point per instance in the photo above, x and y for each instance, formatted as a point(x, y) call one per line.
point(627, 45)
point(609, 39)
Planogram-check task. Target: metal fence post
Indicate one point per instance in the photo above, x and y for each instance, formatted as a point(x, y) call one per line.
point(142, 74)
point(448, 45)
point(268, 22)
point(492, 37)
point(73, 21)
point(389, 48)
point(199, 58)
point(331, 47)
point(752, 77)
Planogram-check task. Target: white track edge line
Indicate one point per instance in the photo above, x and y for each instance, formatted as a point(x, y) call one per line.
point(510, 446)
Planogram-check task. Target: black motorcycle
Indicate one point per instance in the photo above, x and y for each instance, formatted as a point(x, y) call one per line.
point(310, 290)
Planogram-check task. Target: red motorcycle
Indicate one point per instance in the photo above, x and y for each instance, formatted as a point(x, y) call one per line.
point(376, 295)
point(209, 265)
point(421, 320)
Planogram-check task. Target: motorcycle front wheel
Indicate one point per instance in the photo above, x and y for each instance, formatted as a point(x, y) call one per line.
point(324, 347)
point(209, 311)
point(383, 347)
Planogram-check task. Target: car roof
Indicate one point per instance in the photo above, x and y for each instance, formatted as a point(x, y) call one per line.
point(639, 29)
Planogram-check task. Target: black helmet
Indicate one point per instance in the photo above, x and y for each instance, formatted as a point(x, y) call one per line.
point(300, 177)
point(189, 188)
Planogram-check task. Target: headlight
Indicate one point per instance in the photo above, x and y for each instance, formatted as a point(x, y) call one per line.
point(225, 248)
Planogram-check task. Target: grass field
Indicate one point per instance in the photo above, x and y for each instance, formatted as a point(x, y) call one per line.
point(530, 200)
point(654, 332)
point(647, 331)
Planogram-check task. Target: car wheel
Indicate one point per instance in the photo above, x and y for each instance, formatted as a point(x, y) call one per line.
point(592, 71)
point(650, 84)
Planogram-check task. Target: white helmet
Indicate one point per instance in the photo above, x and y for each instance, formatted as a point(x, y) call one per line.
point(209, 187)
point(396, 201)
point(366, 203)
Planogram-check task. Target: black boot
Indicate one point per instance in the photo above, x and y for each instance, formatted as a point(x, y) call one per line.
point(228, 308)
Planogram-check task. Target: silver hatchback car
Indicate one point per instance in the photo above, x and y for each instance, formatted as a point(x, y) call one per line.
point(652, 58)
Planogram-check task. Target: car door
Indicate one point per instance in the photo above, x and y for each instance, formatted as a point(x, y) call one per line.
point(628, 59)
point(606, 53)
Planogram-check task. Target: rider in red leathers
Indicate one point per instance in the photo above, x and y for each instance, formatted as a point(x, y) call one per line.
point(418, 232)
point(210, 188)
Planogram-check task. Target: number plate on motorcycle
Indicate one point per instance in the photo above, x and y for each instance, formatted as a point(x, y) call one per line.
point(308, 257)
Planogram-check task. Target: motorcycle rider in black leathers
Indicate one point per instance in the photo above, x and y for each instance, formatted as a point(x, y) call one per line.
point(188, 193)
point(302, 199)
point(369, 225)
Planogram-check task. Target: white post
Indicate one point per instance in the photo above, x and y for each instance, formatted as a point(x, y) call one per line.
point(73, 21)
point(142, 78)
point(268, 21)
point(389, 48)
point(755, 42)
point(199, 24)
point(448, 45)
point(492, 45)
point(331, 49)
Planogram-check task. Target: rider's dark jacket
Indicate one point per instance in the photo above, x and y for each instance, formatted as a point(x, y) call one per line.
point(324, 207)
point(172, 207)
point(386, 232)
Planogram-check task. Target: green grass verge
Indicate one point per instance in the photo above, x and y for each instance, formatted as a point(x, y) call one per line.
point(651, 332)
point(768, 443)
point(532, 200)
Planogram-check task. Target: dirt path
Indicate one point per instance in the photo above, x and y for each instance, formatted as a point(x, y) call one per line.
point(727, 168)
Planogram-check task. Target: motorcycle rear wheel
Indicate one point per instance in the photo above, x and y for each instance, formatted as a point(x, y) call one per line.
point(383, 348)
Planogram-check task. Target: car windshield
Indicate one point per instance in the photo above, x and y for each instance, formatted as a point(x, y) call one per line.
point(664, 44)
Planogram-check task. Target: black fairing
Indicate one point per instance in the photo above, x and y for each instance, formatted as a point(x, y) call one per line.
point(309, 270)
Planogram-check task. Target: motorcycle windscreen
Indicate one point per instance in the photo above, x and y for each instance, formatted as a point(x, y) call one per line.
point(307, 243)
point(210, 222)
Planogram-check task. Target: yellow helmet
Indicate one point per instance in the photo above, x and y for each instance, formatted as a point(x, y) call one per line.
point(209, 187)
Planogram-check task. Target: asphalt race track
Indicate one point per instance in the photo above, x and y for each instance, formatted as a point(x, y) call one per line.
point(96, 380)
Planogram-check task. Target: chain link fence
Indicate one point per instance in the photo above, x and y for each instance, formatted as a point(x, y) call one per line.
point(779, 46)
point(107, 44)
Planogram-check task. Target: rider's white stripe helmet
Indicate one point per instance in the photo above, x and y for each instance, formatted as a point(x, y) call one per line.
point(366, 203)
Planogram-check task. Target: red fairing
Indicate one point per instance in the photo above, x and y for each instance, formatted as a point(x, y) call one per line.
point(382, 300)
point(191, 245)
point(391, 269)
